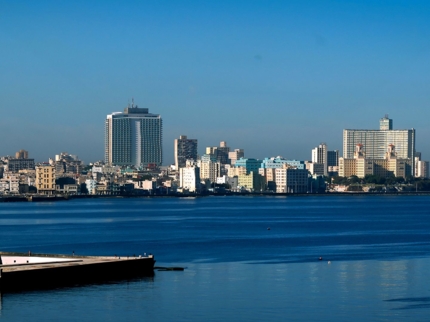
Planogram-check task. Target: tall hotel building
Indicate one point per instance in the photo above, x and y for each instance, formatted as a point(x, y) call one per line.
point(375, 142)
point(134, 137)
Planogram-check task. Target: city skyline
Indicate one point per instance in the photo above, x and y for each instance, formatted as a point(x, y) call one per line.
point(288, 74)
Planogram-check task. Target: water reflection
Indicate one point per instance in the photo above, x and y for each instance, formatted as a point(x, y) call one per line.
point(353, 291)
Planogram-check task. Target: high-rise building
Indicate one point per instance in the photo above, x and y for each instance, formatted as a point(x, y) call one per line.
point(385, 123)
point(375, 142)
point(319, 155)
point(134, 137)
point(185, 149)
point(333, 158)
point(221, 152)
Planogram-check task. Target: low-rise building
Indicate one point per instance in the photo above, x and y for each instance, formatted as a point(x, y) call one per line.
point(252, 181)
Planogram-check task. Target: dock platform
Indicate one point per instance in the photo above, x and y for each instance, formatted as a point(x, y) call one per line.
point(20, 271)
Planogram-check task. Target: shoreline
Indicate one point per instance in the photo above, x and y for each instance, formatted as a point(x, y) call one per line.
point(44, 198)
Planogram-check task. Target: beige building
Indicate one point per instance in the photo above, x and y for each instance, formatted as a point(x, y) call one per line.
point(235, 172)
point(268, 174)
point(235, 155)
point(251, 182)
point(209, 170)
point(45, 179)
point(361, 166)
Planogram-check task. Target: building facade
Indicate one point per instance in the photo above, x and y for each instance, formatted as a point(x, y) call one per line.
point(185, 149)
point(290, 180)
point(235, 155)
point(189, 177)
point(319, 155)
point(376, 141)
point(134, 137)
point(361, 165)
point(45, 179)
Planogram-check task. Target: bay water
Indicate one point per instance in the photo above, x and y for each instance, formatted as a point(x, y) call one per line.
point(246, 258)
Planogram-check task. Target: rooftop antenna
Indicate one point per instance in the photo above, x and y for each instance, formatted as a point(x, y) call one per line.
point(386, 116)
point(132, 102)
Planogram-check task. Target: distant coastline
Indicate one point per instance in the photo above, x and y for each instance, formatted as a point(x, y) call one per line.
point(44, 198)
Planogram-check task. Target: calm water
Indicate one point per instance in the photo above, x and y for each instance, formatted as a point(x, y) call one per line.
point(237, 269)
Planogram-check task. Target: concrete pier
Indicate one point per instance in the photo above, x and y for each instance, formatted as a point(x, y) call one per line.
point(22, 271)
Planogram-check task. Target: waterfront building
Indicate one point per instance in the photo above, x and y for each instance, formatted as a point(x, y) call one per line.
point(251, 181)
point(291, 180)
point(231, 181)
point(189, 176)
point(9, 183)
point(133, 137)
point(45, 179)
point(235, 155)
point(91, 185)
point(376, 141)
point(361, 165)
point(268, 175)
point(185, 149)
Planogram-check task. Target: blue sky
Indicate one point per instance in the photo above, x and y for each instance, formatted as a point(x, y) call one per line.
point(272, 77)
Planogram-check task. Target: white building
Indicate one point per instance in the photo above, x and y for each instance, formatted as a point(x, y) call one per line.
point(9, 183)
point(421, 167)
point(189, 177)
point(289, 180)
point(91, 186)
point(133, 137)
point(319, 155)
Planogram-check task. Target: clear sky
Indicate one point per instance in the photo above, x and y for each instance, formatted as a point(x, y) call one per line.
point(272, 77)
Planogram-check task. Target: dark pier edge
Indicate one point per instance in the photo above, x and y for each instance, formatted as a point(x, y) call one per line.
point(59, 275)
